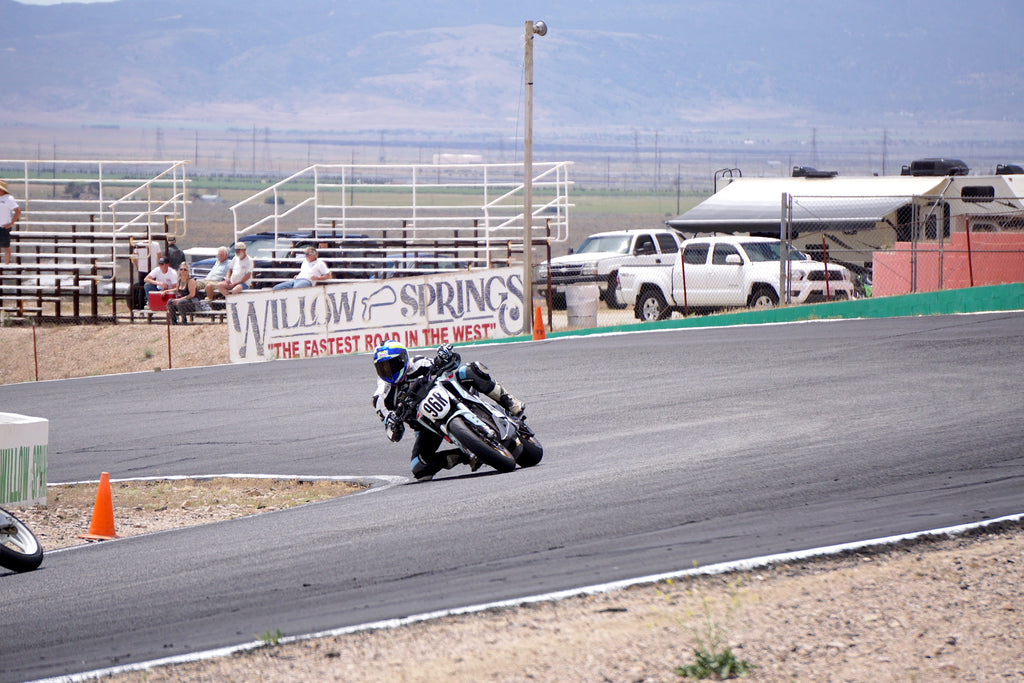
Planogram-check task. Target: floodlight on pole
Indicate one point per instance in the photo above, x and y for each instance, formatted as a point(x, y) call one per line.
point(539, 28)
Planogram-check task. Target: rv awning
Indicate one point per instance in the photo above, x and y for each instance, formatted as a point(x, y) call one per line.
point(755, 204)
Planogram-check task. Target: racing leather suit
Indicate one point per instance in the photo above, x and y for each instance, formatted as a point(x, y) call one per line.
point(425, 461)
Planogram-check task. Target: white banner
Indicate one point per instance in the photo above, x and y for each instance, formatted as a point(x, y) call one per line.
point(355, 317)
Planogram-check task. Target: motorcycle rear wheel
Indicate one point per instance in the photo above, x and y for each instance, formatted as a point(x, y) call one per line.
point(20, 552)
point(495, 456)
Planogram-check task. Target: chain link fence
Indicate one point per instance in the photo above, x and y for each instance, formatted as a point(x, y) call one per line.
point(832, 248)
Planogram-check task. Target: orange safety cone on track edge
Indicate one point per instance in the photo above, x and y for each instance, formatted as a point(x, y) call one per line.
point(102, 526)
point(538, 325)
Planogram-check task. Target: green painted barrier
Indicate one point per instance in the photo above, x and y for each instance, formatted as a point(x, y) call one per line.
point(1009, 297)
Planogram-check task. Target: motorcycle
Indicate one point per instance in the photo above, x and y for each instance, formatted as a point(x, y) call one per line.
point(482, 430)
point(19, 549)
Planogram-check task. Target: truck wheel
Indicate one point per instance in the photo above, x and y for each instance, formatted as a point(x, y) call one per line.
point(609, 292)
point(650, 305)
point(763, 297)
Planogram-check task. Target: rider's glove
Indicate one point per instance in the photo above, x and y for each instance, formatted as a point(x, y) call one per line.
point(444, 356)
point(393, 427)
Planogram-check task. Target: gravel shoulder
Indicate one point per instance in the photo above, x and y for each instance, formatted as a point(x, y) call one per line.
point(929, 610)
point(940, 608)
point(933, 610)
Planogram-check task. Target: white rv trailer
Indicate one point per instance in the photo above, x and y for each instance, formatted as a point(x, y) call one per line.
point(855, 216)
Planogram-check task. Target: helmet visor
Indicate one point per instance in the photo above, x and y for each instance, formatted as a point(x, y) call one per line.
point(391, 370)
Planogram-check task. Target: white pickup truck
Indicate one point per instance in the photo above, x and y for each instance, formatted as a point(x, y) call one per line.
point(727, 272)
point(599, 257)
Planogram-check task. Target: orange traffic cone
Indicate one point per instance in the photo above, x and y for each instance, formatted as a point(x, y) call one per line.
point(538, 325)
point(102, 526)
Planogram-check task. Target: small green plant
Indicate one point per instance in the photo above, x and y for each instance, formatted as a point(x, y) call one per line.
point(147, 352)
point(271, 638)
point(715, 665)
point(712, 658)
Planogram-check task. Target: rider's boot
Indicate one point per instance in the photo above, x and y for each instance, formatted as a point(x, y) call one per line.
point(456, 458)
point(506, 400)
point(425, 470)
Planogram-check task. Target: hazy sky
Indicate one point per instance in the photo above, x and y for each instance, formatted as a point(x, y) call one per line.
point(55, 2)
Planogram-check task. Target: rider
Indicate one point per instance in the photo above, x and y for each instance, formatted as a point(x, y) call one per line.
point(394, 367)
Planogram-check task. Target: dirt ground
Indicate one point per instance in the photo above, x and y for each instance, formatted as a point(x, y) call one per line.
point(142, 507)
point(931, 610)
point(928, 610)
point(947, 610)
point(63, 351)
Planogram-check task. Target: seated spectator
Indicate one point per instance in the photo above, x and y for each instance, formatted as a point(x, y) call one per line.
point(312, 270)
point(184, 301)
point(239, 275)
point(216, 274)
point(161, 278)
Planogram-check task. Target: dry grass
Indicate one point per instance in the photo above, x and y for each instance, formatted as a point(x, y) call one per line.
point(64, 351)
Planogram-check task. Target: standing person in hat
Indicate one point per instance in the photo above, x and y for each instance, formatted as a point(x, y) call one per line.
point(146, 256)
point(239, 274)
point(10, 212)
point(176, 256)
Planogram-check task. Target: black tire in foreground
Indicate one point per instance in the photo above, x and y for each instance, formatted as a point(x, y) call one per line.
point(19, 549)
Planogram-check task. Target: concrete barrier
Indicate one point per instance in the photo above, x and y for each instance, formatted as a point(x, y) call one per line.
point(24, 444)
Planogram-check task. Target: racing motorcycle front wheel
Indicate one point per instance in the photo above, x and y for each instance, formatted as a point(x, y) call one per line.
point(490, 454)
point(19, 549)
point(532, 451)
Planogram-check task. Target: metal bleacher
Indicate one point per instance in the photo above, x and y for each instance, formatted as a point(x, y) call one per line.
point(372, 220)
point(80, 221)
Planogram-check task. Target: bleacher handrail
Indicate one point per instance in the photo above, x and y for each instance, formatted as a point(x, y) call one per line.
point(92, 226)
point(414, 204)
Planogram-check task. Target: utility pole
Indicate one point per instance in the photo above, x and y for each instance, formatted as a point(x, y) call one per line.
point(657, 163)
point(885, 147)
point(540, 28)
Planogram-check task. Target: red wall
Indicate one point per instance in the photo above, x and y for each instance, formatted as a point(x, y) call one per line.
point(995, 258)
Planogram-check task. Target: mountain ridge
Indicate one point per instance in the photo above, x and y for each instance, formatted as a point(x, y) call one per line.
point(400, 64)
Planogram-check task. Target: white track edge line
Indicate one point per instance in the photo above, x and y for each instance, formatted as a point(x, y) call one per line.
point(720, 568)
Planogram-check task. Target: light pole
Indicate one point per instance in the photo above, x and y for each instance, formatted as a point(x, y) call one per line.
point(540, 28)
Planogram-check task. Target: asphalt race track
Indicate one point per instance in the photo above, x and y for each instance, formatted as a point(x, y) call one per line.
point(661, 450)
